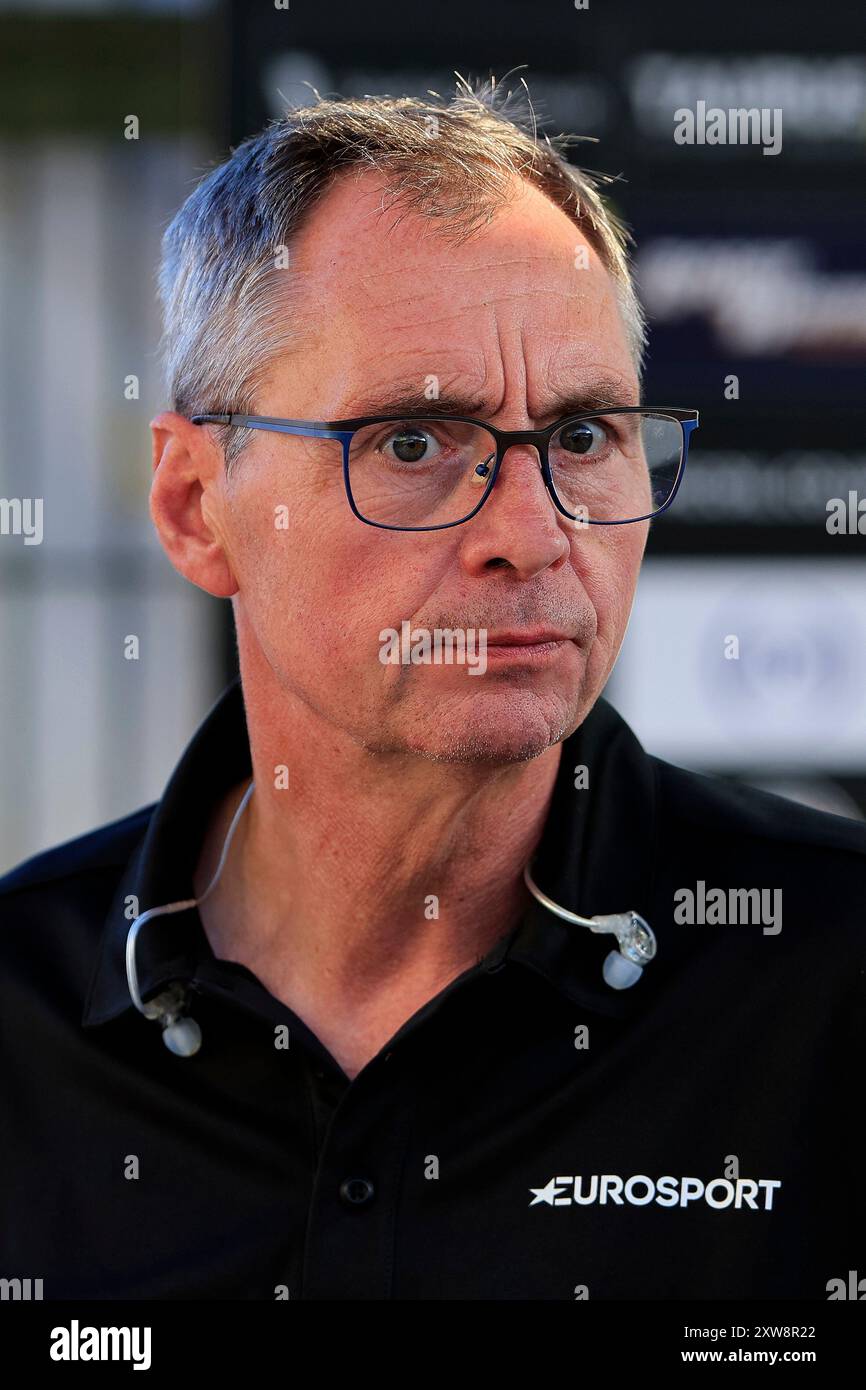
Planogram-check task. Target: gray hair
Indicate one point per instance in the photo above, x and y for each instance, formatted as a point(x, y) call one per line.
point(227, 308)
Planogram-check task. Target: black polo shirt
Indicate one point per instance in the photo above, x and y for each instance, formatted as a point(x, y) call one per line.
point(529, 1133)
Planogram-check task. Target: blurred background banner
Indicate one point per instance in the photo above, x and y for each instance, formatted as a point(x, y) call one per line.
point(751, 262)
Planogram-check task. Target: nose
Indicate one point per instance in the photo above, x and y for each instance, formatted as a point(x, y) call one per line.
point(518, 526)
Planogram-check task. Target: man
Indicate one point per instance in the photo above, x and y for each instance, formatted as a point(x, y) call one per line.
point(397, 1065)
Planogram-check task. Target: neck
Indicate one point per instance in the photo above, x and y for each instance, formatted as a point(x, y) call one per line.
point(362, 888)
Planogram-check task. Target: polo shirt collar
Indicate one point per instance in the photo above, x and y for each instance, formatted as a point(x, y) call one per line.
point(170, 946)
point(595, 856)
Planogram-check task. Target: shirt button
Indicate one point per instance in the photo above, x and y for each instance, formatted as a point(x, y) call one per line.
point(355, 1192)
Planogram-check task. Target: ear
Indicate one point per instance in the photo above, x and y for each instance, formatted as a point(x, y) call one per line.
point(186, 502)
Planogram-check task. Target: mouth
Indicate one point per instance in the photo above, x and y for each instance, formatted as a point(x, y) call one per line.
point(526, 646)
point(527, 637)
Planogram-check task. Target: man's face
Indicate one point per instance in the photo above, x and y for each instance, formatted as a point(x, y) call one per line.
point(509, 319)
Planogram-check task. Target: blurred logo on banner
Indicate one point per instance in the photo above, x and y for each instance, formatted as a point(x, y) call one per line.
point(747, 664)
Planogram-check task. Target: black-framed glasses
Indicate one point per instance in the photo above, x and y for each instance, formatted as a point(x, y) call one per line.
point(426, 473)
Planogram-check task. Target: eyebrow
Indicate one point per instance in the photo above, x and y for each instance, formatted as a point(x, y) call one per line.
point(408, 398)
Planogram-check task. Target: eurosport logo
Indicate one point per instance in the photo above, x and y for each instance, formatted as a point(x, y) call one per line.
point(639, 1191)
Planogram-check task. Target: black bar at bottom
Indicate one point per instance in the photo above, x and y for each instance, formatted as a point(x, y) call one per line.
point(244, 1338)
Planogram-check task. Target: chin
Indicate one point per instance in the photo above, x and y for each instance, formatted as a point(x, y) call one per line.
point(494, 728)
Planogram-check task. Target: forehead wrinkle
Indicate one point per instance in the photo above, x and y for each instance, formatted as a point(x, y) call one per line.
point(595, 279)
point(599, 385)
point(588, 286)
point(458, 268)
point(591, 297)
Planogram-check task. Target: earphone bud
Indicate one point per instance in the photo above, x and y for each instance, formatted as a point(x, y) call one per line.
point(637, 943)
point(180, 1033)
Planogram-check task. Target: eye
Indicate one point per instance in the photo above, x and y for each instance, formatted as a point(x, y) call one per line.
point(581, 437)
point(411, 444)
